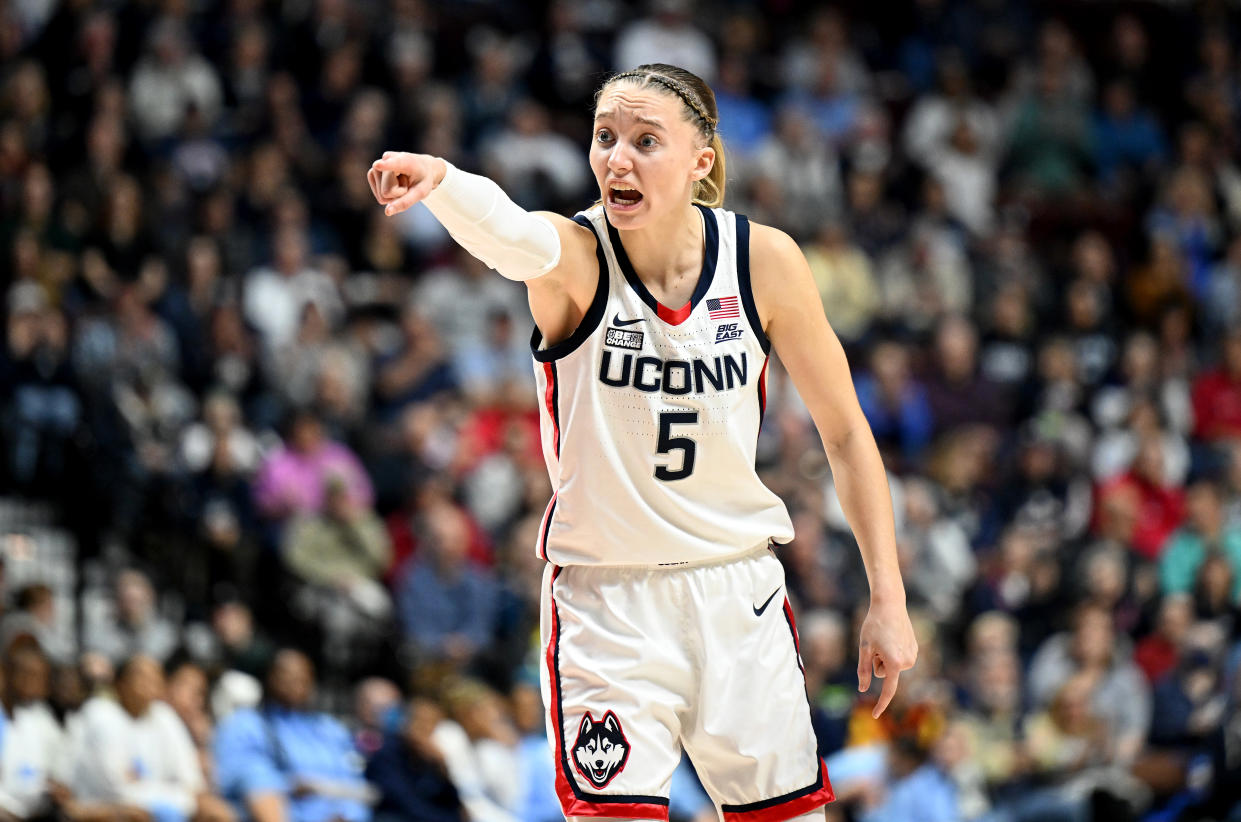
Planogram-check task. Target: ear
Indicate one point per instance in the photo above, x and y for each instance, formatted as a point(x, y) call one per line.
point(610, 724)
point(587, 724)
point(704, 162)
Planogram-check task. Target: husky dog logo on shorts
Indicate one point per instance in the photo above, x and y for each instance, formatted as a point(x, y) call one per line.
point(601, 749)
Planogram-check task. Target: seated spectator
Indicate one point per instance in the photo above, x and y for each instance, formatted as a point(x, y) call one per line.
point(1217, 395)
point(135, 627)
point(35, 617)
point(135, 751)
point(480, 746)
point(831, 681)
point(415, 369)
point(1118, 693)
point(233, 642)
point(1128, 139)
point(376, 710)
point(283, 762)
point(1160, 506)
point(31, 741)
point(1205, 533)
point(339, 557)
point(410, 772)
point(446, 604)
point(895, 404)
point(1160, 651)
point(292, 480)
point(957, 392)
point(186, 693)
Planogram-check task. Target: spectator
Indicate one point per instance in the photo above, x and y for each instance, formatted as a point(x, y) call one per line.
point(1205, 533)
point(284, 761)
point(135, 627)
point(845, 280)
point(1115, 690)
point(895, 405)
point(446, 604)
point(667, 36)
point(1217, 395)
point(135, 751)
point(1160, 507)
point(36, 618)
point(956, 392)
point(339, 557)
point(1050, 145)
point(276, 296)
point(1128, 139)
point(32, 747)
point(410, 773)
point(479, 745)
point(1160, 650)
point(293, 479)
point(170, 80)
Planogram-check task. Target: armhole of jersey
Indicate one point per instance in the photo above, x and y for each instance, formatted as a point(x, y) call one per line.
point(743, 281)
point(593, 314)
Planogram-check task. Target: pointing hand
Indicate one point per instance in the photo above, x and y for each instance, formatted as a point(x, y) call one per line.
point(400, 179)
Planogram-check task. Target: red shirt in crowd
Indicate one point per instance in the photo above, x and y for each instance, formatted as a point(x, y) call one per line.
point(1160, 511)
point(1217, 406)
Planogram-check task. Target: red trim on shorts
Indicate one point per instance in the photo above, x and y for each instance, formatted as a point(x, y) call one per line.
point(571, 800)
point(778, 809)
point(675, 317)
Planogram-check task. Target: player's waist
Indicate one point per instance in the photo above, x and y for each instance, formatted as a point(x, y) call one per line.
point(604, 560)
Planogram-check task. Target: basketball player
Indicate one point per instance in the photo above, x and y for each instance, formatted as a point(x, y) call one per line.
point(665, 622)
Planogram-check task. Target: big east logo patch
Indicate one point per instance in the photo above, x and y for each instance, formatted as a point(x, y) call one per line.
point(601, 749)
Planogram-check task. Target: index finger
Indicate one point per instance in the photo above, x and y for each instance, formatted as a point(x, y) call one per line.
point(890, 682)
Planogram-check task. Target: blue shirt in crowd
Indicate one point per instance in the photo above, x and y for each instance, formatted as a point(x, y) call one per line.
point(272, 750)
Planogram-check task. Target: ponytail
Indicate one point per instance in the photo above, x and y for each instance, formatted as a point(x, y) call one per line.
point(709, 191)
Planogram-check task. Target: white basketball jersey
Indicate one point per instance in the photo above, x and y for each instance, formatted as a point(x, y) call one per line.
point(650, 416)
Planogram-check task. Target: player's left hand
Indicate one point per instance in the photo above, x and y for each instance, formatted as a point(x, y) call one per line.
point(887, 647)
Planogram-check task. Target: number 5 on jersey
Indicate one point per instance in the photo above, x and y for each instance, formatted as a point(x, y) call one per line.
point(669, 443)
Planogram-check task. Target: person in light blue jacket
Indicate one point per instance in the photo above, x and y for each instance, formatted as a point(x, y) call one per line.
point(283, 762)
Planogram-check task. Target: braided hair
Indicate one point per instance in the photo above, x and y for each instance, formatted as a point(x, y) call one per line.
point(699, 102)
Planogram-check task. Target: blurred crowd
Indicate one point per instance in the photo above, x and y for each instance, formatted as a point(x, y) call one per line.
point(295, 443)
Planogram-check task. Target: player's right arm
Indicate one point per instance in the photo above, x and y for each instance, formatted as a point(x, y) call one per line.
point(552, 255)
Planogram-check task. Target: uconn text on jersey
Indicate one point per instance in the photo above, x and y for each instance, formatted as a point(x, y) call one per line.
point(678, 377)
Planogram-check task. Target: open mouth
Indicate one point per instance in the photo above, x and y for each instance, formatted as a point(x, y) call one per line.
point(623, 196)
point(600, 775)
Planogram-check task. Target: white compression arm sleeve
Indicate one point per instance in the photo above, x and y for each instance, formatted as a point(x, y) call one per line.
point(482, 218)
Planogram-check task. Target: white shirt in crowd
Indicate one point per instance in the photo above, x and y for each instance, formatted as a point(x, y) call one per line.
point(31, 744)
point(148, 761)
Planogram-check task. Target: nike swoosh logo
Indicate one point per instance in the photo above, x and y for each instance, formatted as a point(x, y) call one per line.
point(616, 320)
point(758, 610)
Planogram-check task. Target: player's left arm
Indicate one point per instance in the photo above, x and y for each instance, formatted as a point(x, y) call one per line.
point(791, 312)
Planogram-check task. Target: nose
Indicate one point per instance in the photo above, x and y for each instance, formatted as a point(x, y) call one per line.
point(618, 159)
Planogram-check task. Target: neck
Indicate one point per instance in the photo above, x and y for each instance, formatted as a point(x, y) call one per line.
point(667, 251)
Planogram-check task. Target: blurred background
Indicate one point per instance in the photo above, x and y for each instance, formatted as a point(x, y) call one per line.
point(269, 461)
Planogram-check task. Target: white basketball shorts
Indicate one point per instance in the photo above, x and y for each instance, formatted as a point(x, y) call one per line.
point(642, 661)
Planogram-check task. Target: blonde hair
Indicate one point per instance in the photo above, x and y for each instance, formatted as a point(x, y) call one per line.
point(700, 108)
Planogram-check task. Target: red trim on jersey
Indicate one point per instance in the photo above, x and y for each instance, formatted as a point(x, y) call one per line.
point(762, 390)
point(792, 808)
point(549, 397)
point(569, 801)
point(546, 526)
point(676, 317)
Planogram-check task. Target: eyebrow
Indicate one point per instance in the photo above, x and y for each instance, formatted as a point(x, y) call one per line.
point(605, 114)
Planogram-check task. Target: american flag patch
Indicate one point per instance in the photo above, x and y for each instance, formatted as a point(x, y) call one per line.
point(722, 308)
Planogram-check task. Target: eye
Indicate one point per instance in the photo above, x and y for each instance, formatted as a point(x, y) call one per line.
point(647, 141)
point(603, 136)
